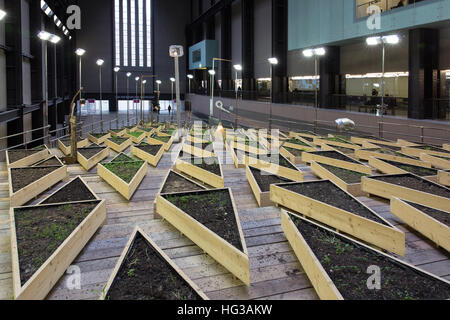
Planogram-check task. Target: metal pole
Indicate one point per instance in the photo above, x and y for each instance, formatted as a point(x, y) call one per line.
point(237, 98)
point(271, 97)
point(189, 85)
point(46, 91)
point(117, 106)
point(128, 100)
point(382, 78)
point(79, 111)
point(142, 97)
point(316, 93)
point(177, 80)
point(136, 103)
point(101, 100)
point(211, 103)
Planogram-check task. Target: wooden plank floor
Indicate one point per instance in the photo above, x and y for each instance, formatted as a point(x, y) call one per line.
point(275, 271)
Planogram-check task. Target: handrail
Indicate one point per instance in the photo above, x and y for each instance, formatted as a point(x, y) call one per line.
point(24, 132)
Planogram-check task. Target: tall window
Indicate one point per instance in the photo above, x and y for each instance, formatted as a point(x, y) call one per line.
point(132, 27)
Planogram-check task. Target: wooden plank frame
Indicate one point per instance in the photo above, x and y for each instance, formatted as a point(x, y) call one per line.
point(387, 168)
point(125, 189)
point(431, 228)
point(117, 134)
point(88, 164)
point(353, 188)
point(320, 141)
point(358, 167)
point(132, 129)
point(250, 149)
point(98, 141)
point(192, 139)
point(169, 261)
point(198, 173)
point(308, 147)
point(237, 163)
point(198, 152)
point(43, 280)
point(404, 143)
point(116, 147)
point(66, 149)
point(29, 160)
point(151, 159)
point(387, 190)
point(293, 134)
point(167, 145)
point(365, 154)
point(48, 158)
point(35, 188)
point(322, 283)
point(385, 236)
point(360, 141)
point(437, 162)
point(237, 262)
point(291, 157)
point(292, 174)
point(415, 152)
point(444, 178)
point(446, 146)
point(134, 139)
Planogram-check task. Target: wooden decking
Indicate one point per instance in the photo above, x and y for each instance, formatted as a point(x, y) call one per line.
point(275, 271)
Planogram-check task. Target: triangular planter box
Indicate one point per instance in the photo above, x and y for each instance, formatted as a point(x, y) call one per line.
point(198, 173)
point(175, 134)
point(118, 147)
point(138, 139)
point(274, 142)
point(387, 168)
point(117, 133)
point(387, 190)
point(238, 163)
point(430, 227)
point(35, 188)
point(129, 159)
point(42, 162)
point(353, 188)
point(88, 164)
point(125, 189)
point(441, 163)
point(415, 151)
point(93, 195)
point(320, 141)
point(240, 145)
point(351, 154)
point(43, 280)
point(365, 154)
point(65, 149)
point(198, 152)
point(351, 164)
point(316, 272)
point(147, 131)
point(263, 198)
point(361, 140)
point(167, 144)
point(130, 129)
point(275, 169)
point(151, 159)
point(170, 264)
point(28, 160)
point(295, 159)
point(385, 236)
point(444, 178)
point(234, 260)
point(98, 141)
point(309, 147)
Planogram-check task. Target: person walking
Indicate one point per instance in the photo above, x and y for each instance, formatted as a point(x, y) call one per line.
point(170, 109)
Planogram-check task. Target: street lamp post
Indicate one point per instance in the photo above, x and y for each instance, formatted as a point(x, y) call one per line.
point(172, 82)
point(135, 104)
point(316, 53)
point(177, 51)
point(80, 52)
point(383, 40)
point(158, 83)
point(45, 37)
point(237, 68)
point(100, 63)
point(128, 97)
point(272, 62)
point(190, 77)
point(212, 73)
point(116, 71)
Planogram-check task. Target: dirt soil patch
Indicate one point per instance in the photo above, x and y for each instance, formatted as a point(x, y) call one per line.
point(345, 175)
point(265, 179)
point(145, 275)
point(274, 159)
point(335, 155)
point(150, 148)
point(53, 161)
point(347, 263)
point(208, 164)
point(136, 134)
point(41, 230)
point(90, 152)
point(118, 140)
point(16, 155)
point(161, 138)
point(328, 193)
point(66, 141)
point(71, 192)
point(420, 171)
point(213, 209)
point(415, 183)
point(124, 170)
point(123, 158)
point(344, 150)
point(441, 216)
point(177, 183)
point(22, 177)
point(389, 152)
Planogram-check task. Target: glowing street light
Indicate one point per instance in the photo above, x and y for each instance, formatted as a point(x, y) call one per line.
point(2, 14)
point(190, 77)
point(237, 68)
point(177, 51)
point(100, 63)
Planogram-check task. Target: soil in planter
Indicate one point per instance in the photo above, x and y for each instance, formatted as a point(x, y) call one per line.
point(389, 152)
point(208, 164)
point(123, 158)
point(296, 152)
point(420, 171)
point(346, 263)
point(297, 142)
point(16, 155)
point(124, 170)
point(415, 183)
point(345, 175)
point(335, 155)
point(145, 275)
point(144, 129)
point(213, 209)
point(277, 159)
point(394, 148)
point(53, 161)
point(150, 148)
point(22, 177)
point(88, 153)
point(67, 142)
point(177, 183)
point(72, 192)
point(118, 140)
point(41, 230)
point(327, 192)
point(160, 138)
point(98, 135)
point(432, 148)
point(136, 134)
point(265, 179)
point(441, 216)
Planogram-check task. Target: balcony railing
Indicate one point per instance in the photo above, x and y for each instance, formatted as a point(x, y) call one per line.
point(362, 6)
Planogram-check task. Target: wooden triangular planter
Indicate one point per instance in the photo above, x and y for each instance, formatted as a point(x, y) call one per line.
point(98, 140)
point(415, 151)
point(234, 260)
point(85, 193)
point(264, 162)
point(172, 270)
point(377, 231)
point(136, 139)
point(40, 283)
point(329, 157)
point(88, 164)
point(153, 139)
point(150, 158)
point(198, 173)
point(118, 132)
point(31, 157)
point(49, 162)
point(365, 154)
point(444, 178)
point(118, 147)
point(64, 145)
point(437, 162)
